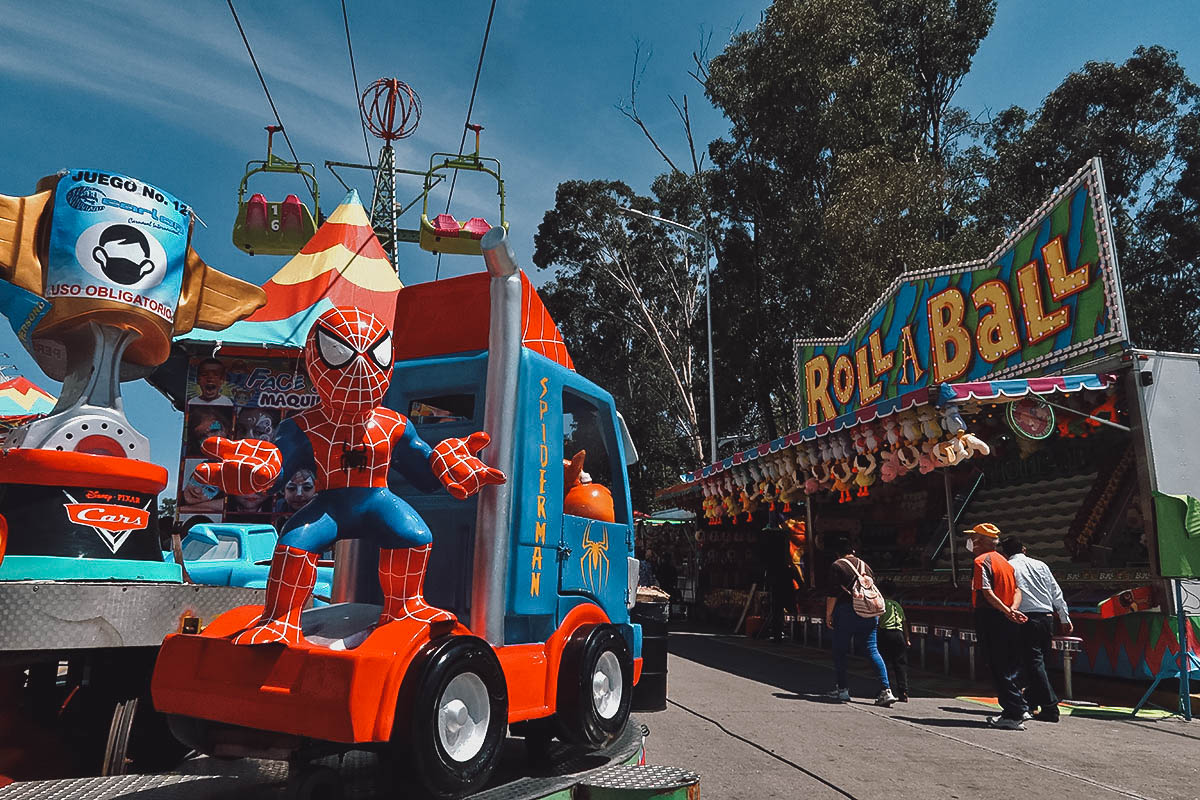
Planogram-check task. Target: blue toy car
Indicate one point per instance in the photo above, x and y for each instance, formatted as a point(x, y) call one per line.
point(219, 554)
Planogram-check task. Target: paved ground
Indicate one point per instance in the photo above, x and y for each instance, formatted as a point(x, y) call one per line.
point(749, 718)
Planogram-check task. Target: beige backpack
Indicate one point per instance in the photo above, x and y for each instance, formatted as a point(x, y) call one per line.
point(865, 595)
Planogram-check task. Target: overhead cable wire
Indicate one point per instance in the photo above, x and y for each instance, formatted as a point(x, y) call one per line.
point(354, 74)
point(474, 89)
point(470, 107)
point(267, 91)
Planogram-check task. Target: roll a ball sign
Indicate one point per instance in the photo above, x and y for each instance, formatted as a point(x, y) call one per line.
point(1047, 298)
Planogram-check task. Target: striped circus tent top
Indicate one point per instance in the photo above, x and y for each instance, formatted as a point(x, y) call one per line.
point(342, 265)
point(21, 399)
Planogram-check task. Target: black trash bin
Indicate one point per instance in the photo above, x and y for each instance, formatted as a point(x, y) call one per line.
point(651, 692)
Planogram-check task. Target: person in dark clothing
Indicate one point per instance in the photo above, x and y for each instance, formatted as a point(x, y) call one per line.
point(845, 622)
point(775, 559)
point(894, 641)
point(996, 599)
point(667, 575)
point(646, 576)
point(1041, 600)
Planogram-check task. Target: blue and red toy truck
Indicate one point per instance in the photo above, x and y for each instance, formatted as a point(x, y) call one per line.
point(542, 597)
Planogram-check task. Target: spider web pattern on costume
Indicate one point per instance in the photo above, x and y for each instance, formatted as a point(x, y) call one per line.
point(453, 462)
point(246, 466)
point(538, 331)
point(360, 385)
point(293, 575)
point(369, 441)
point(402, 577)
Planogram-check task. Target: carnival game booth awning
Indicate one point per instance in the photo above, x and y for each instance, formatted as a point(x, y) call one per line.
point(939, 396)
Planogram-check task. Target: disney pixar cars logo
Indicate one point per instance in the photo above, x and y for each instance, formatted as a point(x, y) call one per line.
point(112, 523)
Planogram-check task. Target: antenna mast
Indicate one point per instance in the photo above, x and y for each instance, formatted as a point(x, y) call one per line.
point(391, 110)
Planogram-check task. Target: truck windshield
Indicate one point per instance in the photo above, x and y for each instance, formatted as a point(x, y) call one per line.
point(225, 549)
point(589, 430)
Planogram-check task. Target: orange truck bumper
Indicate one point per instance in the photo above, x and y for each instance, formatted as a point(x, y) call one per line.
point(346, 696)
point(308, 690)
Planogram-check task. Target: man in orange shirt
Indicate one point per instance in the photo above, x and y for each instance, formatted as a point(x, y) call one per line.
point(996, 598)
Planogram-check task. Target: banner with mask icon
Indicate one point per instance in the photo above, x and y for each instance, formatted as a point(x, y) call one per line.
point(118, 239)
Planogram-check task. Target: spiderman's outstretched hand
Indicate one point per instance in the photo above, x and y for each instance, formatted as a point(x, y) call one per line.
point(462, 473)
point(245, 466)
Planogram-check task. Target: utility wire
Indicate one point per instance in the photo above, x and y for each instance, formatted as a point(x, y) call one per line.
point(470, 107)
point(267, 91)
point(354, 74)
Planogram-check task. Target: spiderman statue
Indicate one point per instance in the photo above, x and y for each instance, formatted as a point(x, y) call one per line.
point(352, 440)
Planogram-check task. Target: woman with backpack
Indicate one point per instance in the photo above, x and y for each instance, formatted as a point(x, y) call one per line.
point(853, 608)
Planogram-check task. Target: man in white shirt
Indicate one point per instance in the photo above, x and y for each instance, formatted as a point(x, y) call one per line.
point(1041, 600)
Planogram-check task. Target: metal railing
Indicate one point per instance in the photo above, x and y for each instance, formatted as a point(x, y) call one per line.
point(947, 528)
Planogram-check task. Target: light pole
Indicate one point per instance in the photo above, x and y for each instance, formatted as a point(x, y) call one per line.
point(695, 234)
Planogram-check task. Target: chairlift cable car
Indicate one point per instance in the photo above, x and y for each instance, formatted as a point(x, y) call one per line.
point(276, 228)
point(443, 233)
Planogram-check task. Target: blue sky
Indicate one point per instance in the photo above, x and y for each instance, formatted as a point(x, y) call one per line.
point(166, 93)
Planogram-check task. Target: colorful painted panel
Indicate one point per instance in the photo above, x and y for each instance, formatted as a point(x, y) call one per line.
point(1131, 646)
point(1047, 298)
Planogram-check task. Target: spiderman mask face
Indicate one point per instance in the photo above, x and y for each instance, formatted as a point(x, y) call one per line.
point(349, 357)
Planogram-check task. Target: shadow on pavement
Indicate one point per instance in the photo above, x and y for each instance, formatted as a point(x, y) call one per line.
point(812, 697)
point(939, 722)
point(800, 680)
point(978, 712)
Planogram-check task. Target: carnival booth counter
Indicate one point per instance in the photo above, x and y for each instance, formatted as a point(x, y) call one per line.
point(1003, 390)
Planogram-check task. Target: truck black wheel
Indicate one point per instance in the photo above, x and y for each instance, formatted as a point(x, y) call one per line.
point(595, 686)
point(451, 718)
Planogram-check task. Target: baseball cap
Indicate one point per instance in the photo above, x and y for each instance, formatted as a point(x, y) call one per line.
point(984, 529)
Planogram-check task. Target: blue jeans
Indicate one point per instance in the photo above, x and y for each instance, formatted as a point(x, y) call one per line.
point(847, 624)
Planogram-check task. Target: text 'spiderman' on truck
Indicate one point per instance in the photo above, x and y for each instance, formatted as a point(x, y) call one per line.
point(544, 595)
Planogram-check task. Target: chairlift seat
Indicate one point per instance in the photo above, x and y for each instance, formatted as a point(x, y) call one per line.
point(256, 213)
point(437, 235)
point(446, 225)
point(476, 227)
point(291, 216)
point(282, 228)
point(271, 228)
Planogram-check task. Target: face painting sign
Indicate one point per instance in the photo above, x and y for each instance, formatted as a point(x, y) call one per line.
point(263, 382)
point(242, 396)
point(1047, 298)
point(115, 238)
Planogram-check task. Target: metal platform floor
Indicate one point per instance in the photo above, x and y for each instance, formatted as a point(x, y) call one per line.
point(204, 778)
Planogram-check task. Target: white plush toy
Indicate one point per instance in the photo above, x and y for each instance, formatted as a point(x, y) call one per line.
point(929, 426)
point(891, 431)
point(974, 445)
point(870, 437)
point(910, 426)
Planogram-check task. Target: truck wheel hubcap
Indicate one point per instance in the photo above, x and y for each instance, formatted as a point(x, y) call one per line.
point(464, 713)
point(606, 685)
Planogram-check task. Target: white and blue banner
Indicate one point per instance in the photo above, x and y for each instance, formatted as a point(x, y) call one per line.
point(116, 238)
